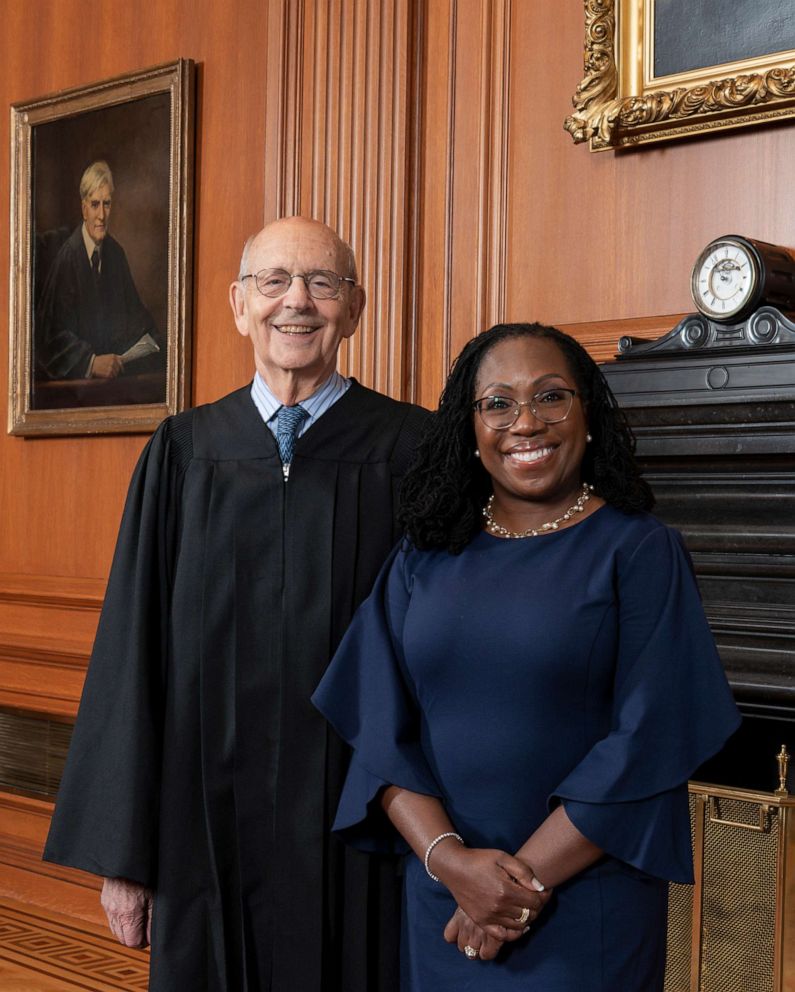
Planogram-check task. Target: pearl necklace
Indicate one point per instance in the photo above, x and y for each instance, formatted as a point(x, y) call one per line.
point(494, 528)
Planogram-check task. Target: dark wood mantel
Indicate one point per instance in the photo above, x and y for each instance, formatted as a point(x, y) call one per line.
point(713, 412)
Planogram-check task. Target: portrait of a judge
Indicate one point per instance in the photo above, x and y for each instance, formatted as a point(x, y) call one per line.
point(91, 323)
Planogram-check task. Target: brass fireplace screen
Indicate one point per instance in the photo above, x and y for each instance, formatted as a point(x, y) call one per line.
point(734, 931)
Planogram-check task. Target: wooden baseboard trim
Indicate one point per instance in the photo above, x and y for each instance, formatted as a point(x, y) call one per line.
point(54, 591)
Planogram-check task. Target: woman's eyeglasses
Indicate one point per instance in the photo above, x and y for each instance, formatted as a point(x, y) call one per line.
point(550, 405)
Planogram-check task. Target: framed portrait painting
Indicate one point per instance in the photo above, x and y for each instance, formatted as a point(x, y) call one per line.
point(662, 69)
point(101, 266)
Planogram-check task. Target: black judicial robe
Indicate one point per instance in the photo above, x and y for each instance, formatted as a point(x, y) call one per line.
point(80, 315)
point(198, 765)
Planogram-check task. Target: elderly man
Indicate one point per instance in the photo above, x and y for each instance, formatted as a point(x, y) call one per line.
point(199, 769)
point(91, 316)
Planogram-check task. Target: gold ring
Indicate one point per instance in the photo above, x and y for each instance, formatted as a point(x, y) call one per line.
point(525, 916)
point(470, 952)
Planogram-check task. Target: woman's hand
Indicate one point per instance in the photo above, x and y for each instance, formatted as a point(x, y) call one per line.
point(462, 931)
point(493, 888)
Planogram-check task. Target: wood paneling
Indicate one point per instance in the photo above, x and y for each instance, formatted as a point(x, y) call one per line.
point(342, 81)
point(47, 627)
point(464, 146)
point(61, 498)
point(588, 239)
point(430, 135)
point(23, 875)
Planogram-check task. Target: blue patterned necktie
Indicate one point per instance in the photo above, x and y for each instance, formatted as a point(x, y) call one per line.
point(287, 426)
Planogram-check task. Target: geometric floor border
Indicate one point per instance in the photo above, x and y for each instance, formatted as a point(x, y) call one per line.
point(73, 950)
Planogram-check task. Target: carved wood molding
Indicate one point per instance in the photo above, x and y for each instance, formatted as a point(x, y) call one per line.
point(27, 858)
point(52, 591)
point(25, 805)
point(42, 674)
point(47, 625)
point(343, 85)
point(601, 337)
point(36, 649)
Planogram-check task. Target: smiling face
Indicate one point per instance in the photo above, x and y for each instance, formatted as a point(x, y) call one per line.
point(96, 212)
point(535, 467)
point(295, 337)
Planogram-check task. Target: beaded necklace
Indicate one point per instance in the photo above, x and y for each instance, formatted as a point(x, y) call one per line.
point(499, 531)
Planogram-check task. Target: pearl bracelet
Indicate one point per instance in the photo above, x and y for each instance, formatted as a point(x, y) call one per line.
point(432, 845)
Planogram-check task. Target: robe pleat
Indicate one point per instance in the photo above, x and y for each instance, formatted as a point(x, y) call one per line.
point(198, 765)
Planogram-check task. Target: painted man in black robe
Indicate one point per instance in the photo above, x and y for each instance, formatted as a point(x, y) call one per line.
point(199, 771)
point(90, 314)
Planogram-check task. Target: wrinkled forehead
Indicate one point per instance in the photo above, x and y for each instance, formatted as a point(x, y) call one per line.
point(300, 250)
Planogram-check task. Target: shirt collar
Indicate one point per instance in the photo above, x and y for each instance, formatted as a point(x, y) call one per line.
point(89, 242)
point(268, 405)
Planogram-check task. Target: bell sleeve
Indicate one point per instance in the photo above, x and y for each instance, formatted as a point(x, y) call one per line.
point(672, 710)
point(106, 814)
point(367, 696)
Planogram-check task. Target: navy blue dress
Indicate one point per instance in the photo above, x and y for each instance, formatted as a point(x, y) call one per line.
point(576, 667)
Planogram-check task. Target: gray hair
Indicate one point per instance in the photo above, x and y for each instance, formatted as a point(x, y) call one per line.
point(96, 175)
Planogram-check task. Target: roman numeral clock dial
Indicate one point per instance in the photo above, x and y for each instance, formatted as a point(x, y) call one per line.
point(734, 275)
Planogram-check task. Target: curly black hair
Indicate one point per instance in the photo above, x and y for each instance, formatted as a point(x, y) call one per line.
point(446, 487)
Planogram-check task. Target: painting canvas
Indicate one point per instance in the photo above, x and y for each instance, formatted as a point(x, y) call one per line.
point(102, 300)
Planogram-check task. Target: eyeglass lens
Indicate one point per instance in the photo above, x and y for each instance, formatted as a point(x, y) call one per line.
point(551, 406)
point(321, 284)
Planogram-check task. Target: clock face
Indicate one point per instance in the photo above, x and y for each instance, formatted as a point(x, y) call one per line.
point(724, 278)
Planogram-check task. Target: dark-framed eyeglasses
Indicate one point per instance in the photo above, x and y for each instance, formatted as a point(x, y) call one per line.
point(501, 412)
point(321, 284)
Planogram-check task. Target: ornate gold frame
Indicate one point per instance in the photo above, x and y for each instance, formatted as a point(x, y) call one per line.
point(177, 79)
point(620, 104)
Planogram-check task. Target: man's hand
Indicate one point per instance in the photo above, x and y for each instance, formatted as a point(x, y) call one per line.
point(106, 366)
point(128, 907)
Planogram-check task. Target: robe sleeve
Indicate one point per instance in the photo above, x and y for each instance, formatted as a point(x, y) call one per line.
point(106, 814)
point(61, 353)
point(368, 698)
point(672, 710)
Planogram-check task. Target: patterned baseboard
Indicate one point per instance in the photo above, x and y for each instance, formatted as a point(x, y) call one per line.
point(71, 954)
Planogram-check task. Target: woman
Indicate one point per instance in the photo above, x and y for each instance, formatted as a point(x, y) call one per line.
point(529, 687)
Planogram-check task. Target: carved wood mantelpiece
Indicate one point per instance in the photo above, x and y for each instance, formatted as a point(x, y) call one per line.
point(767, 326)
point(715, 430)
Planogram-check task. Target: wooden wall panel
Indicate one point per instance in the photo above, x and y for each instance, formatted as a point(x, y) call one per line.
point(24, 823)
point(431, 135)
point(464, 147)
point(62, 497)
point(341, 94)
point(587, 240)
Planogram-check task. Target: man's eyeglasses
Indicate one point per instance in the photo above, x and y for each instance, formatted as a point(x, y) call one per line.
point(320, 284)
point(501, 412)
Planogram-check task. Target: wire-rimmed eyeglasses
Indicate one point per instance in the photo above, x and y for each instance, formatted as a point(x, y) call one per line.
point(321, 284)
point(549, 405)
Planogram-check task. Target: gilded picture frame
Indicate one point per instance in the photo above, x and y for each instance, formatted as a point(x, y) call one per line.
point(628, 99)
point(100, 340)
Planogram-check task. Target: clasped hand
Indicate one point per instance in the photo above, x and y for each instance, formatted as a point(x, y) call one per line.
point(492, 888)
